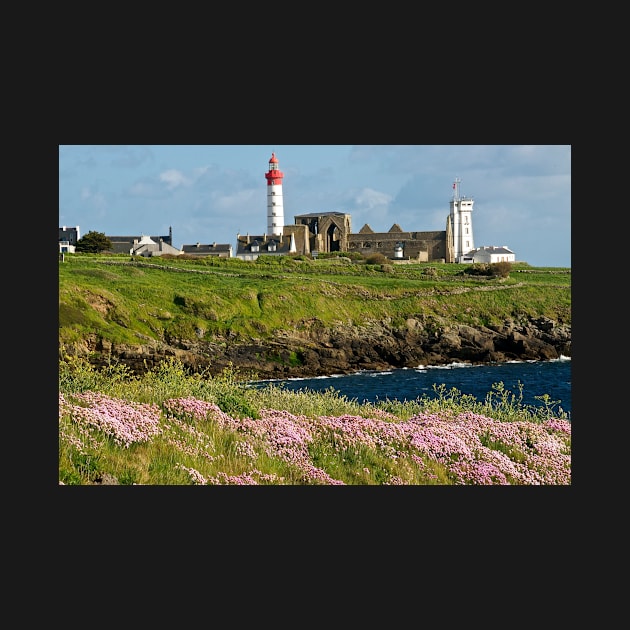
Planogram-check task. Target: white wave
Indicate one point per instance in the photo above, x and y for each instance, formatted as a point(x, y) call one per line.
point(450, 366)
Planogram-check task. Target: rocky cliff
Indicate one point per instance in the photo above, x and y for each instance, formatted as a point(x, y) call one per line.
point(312, 349)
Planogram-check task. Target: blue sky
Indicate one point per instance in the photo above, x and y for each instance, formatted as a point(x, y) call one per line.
point(209, 193)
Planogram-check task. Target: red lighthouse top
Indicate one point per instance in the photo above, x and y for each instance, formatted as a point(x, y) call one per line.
point(274, 176)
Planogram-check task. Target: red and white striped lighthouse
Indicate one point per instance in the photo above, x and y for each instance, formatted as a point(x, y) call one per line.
point(275, 206)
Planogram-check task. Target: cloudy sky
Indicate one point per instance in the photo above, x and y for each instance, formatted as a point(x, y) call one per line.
point(210, 193)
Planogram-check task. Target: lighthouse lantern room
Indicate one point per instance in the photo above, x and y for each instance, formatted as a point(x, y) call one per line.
point(275, 205)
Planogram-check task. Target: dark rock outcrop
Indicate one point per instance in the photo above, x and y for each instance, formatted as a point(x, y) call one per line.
point(311, 349)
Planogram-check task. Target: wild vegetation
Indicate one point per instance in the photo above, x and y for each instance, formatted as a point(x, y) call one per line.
point(168, 427)
point(171, 427)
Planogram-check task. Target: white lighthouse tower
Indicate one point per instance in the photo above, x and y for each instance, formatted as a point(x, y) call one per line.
point(461, 222)
point(275, 206)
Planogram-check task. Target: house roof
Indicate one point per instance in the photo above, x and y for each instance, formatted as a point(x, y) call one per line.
point(321, 214)
point(122, 244)
point(199, 249)
point(492, 249)
point(244, 245)
point(130, 239)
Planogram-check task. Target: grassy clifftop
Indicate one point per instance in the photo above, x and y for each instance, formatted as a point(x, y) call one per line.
point(126, 300)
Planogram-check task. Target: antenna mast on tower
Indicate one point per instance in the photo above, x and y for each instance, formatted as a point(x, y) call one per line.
point(456, 184)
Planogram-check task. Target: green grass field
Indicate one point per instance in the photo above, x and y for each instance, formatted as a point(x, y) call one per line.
point(120, 299)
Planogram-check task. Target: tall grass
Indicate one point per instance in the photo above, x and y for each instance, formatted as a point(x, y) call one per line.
point(172, 427)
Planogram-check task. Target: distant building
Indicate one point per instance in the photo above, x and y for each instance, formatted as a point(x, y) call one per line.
point(68, 237)
point(251, 247)
point(490, 254)
point(325, 232)
point(400, 245)
point(144, 245)
point(220, 250)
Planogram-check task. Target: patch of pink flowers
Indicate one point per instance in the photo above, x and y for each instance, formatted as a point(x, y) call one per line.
point(470, 448)
point(126, 422)
point(473, 448)
point(194, 410)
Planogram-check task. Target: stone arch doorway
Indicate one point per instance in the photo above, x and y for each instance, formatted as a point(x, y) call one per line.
point(334, 229)
point(332, 239)
point(328, 231)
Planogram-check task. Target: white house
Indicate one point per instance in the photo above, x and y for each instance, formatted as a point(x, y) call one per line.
point(68, 237)
point(65, 247)
point(146, 246)
point(491, 254)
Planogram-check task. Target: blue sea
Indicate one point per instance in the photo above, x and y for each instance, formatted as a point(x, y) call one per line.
point(537, 378)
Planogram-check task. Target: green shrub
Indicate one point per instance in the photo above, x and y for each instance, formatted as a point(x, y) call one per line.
point(501, 269)
point(376, 259)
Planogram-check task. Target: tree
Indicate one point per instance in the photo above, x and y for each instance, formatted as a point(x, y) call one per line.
point(93, 243)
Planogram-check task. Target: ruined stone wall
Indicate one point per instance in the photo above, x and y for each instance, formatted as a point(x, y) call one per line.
point(332, 231)
point(422, 246)
point(301, 235)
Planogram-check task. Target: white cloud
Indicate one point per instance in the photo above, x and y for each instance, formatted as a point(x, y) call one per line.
point(368, 198)
point(174, 178)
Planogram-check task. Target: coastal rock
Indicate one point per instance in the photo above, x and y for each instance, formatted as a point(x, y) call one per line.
point(311, 349)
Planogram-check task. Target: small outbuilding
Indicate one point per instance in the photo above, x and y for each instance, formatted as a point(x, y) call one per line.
point(490, 254)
